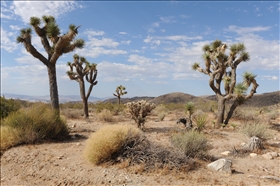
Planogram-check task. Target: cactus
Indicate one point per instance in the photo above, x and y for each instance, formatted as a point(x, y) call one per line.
point(222, 67)
point(83, 69)
point(139, 110)
point(120, 91)
point(54, 45)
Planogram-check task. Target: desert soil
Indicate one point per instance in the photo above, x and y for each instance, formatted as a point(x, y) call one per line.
point(62, 163)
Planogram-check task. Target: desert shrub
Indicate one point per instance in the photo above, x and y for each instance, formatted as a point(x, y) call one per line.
point(192, 143)
point(37, 122)
point(103, 144)
point(273, 114)
point(9, 137)
point(113, 107)
point(161, 116)
point(8, 106)
point(174, 106)
point(200, 119)
point(106, 115)
point(139, 111)
point(256, 128)
point(72, 113)
point(160, 111)
point(125, 143)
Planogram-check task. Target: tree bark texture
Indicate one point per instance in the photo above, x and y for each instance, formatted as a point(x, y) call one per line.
point(84, 98)
point(231, 111)
point(221, 109)
point(53, 86)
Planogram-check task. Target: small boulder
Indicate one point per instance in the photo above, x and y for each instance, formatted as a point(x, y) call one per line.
point(226, 153)
point(274, 154)
point(222, 165)
point(253, 155)
point(267, 156)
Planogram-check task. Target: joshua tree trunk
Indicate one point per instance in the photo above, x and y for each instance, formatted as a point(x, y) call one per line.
point(221, 109)
point(231, 111)
point(119, 100)
point(84, 98)
point(53, 86)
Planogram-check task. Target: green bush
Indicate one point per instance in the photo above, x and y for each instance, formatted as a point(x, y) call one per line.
point(109, 140)
point(35, 123)
point(8, 106)
point(200, 119)
point(192, 143)
point(256, 128)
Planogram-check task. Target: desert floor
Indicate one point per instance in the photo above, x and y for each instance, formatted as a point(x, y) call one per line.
point(62, 163)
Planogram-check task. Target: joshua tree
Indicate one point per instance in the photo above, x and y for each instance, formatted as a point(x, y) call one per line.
point(190, 109)
point(222, 67)
point(119, 91)
point(54, 45)
point(83, 69)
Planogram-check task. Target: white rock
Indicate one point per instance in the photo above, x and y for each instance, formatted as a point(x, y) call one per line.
point(267, 156)
point(253, 154)
point(223, 165)
point(242, 144)
point(273, 154)
point(226, 153)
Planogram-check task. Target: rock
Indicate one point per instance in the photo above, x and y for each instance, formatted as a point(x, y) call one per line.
point(223, 165)
point(226, 153)
point(242, 144)
point(253, 155)
point(273, 154)
point(267, 156)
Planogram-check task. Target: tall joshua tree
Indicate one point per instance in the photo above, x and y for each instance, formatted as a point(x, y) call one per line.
point(120, 91)
point(83, 69)
point(221, 67)
point(54, 45)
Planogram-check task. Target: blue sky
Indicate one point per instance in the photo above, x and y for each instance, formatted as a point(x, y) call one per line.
point(148, 47)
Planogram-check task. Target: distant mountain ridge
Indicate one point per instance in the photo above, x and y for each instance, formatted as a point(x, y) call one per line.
point(258, 100)
point(46, 98)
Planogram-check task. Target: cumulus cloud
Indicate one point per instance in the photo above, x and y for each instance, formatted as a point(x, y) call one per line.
point(27, 9)
point(7, 41)
point(246, 30)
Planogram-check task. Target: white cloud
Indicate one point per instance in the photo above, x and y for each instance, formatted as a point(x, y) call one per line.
point(246, 30)
point(126, 42)
point(7, 42)
point(97, 51)
point(122, 33)
point(27, 9)
point(268, 77)
point(15, 27)
point(92, 33)
point(168, 19)
point(104, 42)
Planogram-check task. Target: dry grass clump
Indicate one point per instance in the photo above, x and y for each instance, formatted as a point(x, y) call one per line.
point(72, 113)
point(9, 137)
point(192, 143)
point(103, 144)
point(29, 125)
point(127, 146)
point(106, 115)
point(160, 111)
point(200, 119)
point(256, 128)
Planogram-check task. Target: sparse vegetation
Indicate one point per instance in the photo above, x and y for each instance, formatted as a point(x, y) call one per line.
point(160, 111)
point(200, 119)
point(106, 115)
point(256, 128)
point(54, 44)
point(192, 143)
point(109, 140)
point(120, 91)
point(83, 69)
point(221, 67)
point(32, 124)
point(8, 106)
point(139, 111)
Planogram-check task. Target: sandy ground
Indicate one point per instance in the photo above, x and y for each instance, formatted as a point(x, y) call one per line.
point(63, 163)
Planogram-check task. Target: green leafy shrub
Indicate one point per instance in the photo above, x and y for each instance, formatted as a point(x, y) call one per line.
point(8, 106)
point(200, 119)
point(37, 122)
point(103, 144)
point(256, 128)
point(192, 143)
